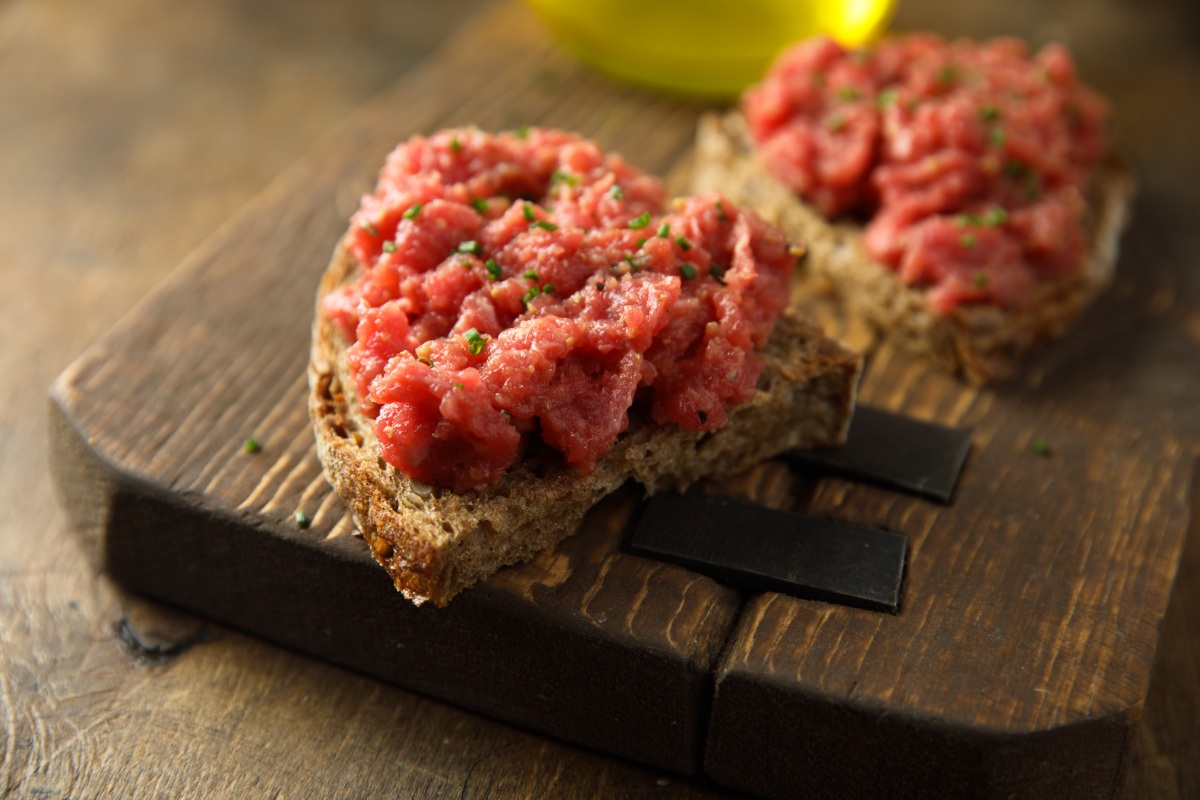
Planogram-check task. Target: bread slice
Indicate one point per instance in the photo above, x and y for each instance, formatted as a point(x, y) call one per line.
point(981, 343)
point(435, 543)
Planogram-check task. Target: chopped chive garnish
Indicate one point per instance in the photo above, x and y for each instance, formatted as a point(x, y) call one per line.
point(301, 519)
point(527, 210)
point(1039, 446)
point(716, 272)
point(721, 215)
point(426, 360)
point(995, 218)
point(369, 228)
point(455, 145)
point(475, 342)
point(533, 292)
point(997, 137)
point(523, 132)
point(989, 113)
point(1016, 169)
point(848, 93)
point(479, 204)
point(641, 241)
point(530, 274)
point(835, 122)
point(470, 246)
point(251, 445)
point(664, 230)
point(459, 386)
point(389, 247)
point(968, 240)
point(493, 269)
point(637, 223)
point(548, 288)
point(945, 75)
point(687, 271)
point(980, 279)
point(545, 225)
point(683, 242)
point(412, 211)
point(885, 98)
point(564, 177)
point(616, 192)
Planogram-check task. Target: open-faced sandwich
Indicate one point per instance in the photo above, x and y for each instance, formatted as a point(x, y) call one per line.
point(515, 324)
point(960, 196)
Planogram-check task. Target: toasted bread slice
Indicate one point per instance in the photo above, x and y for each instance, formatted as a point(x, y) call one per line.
point(435, 543)
point(981, 343)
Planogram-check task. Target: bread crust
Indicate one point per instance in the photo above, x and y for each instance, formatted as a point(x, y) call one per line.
point(981, 343)
point(435, 543)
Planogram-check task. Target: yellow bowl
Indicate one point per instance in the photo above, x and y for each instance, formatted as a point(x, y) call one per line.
point(710, 48)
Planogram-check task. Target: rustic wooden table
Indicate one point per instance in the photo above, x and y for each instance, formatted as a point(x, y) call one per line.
point(131, 129)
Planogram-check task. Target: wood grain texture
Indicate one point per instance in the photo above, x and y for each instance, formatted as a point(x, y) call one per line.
point(988, 660)
point(100, 101)
point(584, 643)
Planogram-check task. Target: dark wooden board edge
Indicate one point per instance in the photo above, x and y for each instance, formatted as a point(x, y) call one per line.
point(488, 651)
point(839, 748)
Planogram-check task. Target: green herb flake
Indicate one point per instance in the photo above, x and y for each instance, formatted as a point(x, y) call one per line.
point(470, 246)
point(479, 204)
point(995, 218)
point(389, 247)
point(989, 113)
point(885, 98)
point(616, 192)
point(683, 243)
point(251, 445)
point(527, 211)
point(641, 242)
point(664, 230)
point(997, 137)
point(564, 177)
point(1015, 169)
point(302, 520)
point(717, 273)
point(523, 131)
point(980, 279)
point(413, 211)
point(637, 223)
point(369, 228)
point(545, 225)
point(455, 145)
point(1039, 447)
point(835, 122)
point(475, 342)
point(848, 94)
point(533, 292)
point(493, 269)
point(687, 271)
point(1033, 187)
point(721, 215)
point(530, 274)
point(548, 288)
point(459, 386)
point(968, 240)
point(945, 75)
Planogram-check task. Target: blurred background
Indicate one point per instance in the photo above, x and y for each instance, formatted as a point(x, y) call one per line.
point(129, 131)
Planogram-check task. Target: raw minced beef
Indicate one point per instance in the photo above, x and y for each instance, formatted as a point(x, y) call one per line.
point(527, 284)
point(971, 160)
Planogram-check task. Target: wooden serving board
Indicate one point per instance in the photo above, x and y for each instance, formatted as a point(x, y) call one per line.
point(1020, 657)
